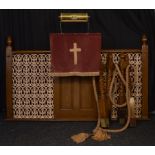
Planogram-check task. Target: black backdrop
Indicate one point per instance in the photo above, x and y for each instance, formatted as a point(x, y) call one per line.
point(120, 29)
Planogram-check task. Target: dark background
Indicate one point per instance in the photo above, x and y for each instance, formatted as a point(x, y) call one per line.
point(120, 29)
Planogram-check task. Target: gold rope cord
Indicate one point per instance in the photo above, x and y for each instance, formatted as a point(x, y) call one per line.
point(99, 133)
point(117, 105)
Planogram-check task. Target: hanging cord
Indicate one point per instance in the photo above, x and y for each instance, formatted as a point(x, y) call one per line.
point(88, 27)
point(99, 133)
point(117, 105)
point(97, 103)
point(60, 27)
point(128, 99)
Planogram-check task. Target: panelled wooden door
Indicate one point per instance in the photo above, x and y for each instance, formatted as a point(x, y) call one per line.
point(74, 99)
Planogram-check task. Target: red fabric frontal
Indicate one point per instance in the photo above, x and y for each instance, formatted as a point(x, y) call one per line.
point(75, 54)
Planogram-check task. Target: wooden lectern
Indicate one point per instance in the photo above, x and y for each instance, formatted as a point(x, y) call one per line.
point(29, 85)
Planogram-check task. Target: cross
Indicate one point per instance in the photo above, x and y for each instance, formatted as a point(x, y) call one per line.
point(75, 50)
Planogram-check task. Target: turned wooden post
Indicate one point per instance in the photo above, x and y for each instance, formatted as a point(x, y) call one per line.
point(9, 105)
point(144, 77)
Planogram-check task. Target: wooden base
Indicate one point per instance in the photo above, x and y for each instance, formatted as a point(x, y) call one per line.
point(132, 122)
point(105, 122)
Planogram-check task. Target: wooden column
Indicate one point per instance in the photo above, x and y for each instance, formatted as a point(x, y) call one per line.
point(9, 105)
point(103, 97)
point(144, 77)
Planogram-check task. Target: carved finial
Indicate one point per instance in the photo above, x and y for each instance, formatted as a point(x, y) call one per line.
point(144, 39)
point(9, 41)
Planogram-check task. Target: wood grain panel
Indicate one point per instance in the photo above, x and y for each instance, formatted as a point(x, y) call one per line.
point(74, 99)
point(66, 97)
point(87, 99)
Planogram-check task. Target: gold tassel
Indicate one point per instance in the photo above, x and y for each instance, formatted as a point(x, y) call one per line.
point(79, 138)
point(100, 135)
point(132, 110)
point(132, 107)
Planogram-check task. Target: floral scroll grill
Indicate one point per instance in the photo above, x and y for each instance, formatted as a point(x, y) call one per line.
point(135, 62)
point(32, 86)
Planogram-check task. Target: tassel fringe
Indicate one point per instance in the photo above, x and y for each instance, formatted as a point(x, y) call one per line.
point(79, 138)
point(98, 135)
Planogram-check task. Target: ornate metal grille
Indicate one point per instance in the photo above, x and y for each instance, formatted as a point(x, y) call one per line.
point(32, 86)
point(135, 62)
